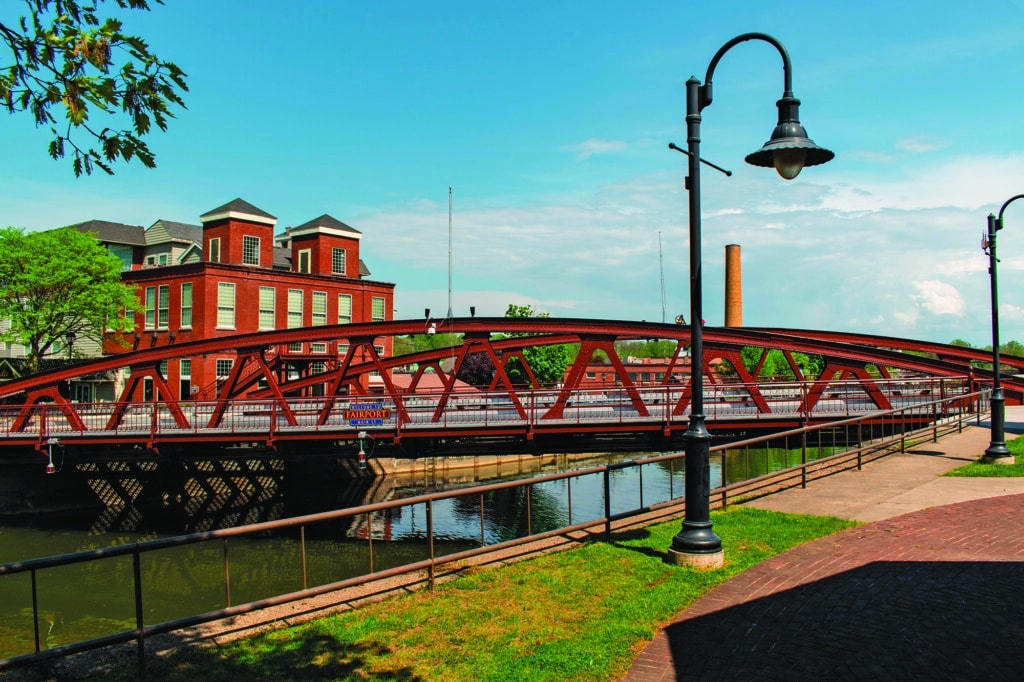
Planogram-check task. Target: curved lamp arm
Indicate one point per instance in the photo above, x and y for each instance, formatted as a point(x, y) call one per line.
point(999, 220)
point(788, 149)
point(787, 68)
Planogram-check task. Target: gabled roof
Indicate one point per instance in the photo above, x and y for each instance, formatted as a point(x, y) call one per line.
point(325, 222)
point(238, 208)
point(114, 233)
point(181, 232)
point(193, 254)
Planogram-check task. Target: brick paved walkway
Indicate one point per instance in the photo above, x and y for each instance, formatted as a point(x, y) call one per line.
point(932, 594)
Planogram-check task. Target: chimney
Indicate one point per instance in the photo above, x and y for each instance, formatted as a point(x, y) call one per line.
point(733, 287)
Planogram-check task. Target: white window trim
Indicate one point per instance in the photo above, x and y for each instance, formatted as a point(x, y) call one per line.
point(234, 307)
point(248, 238)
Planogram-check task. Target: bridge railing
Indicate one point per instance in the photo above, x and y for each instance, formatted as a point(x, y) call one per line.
point(409, 414)
point(424, 556)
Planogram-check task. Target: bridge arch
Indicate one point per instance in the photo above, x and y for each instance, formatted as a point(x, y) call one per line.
point(264, 370)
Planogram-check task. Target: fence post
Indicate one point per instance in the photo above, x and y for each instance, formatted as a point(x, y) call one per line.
point(430, 543)
point(227, 575)
point(860, 443)
point(302, 551)
point(725, 479)
point(35, 609)
point(803, 459)
point(529, 517)
point(607, 504)
point(140, 638)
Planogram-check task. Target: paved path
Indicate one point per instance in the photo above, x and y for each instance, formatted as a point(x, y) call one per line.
point(931, 588)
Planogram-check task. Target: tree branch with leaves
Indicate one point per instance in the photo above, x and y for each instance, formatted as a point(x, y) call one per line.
point(64, 56)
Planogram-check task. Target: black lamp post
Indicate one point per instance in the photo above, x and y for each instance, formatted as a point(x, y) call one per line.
point(788, 151)
point(997, 450)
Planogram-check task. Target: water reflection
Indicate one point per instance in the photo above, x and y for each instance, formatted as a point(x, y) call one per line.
point(111, 505)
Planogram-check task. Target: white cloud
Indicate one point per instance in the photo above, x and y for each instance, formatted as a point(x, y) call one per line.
point(939, 298)
point(898, 261)
point(917, 145)
point(591, 146)
point(965, 182)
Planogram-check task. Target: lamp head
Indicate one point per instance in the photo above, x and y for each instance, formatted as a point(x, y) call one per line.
point(789, 150)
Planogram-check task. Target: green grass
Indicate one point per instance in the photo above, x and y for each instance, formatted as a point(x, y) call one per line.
point(581, 614)
point(981, 470)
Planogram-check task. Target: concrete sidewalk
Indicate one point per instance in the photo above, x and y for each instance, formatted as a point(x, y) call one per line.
point(929, 588)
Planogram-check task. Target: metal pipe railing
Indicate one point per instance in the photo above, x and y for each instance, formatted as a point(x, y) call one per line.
point(612, 405)
point(954, 411)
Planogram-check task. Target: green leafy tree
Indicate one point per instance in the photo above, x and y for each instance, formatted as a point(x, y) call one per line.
point(1014, 348)
point(58, 285)
point(652, 348)
point(776, 366)
point(64, 56)
point(547, 363)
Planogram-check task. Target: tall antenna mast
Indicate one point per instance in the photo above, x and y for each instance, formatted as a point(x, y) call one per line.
point(449, 252)
point(661, 270)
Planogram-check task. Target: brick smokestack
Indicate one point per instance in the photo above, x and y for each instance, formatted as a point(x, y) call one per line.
point(733, 287)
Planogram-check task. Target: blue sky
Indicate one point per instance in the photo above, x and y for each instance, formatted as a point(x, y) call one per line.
point(550, 121)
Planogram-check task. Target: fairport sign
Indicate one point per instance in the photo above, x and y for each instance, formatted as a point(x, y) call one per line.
point(367, 414)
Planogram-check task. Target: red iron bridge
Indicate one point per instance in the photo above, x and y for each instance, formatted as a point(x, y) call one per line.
point(264, 404)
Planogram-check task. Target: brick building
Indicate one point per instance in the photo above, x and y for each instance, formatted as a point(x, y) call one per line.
point(233, 275)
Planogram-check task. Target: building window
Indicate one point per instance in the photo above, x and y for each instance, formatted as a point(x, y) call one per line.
point(319, 308)
point(342, 349)
point(305, 260)
point(318, 347)
point(163, 306)
point(294, 347)
point(150, 308)
point(378, 349)
point(377, 311)
point(338, 261)
point(344, 308)
point(186, 304)
point(223, 368)
point(268, 312)
point(184, 378)
point(214, 255)
point(294, 308)
point(225, 305)
point(123, 253)
point(250, 250)
point(317, 367)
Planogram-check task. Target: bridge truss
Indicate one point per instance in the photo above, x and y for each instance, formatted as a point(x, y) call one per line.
point(262, 402)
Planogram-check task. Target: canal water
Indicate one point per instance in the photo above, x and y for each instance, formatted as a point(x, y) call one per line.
point(118, 503)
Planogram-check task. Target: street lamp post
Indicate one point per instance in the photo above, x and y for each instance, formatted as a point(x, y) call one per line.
point(997, 451)
point(788, 151)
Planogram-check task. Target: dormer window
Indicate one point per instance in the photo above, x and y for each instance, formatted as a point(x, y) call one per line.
point(250, 250)
point(338, 261)
point(214, 255)
point(305, 260)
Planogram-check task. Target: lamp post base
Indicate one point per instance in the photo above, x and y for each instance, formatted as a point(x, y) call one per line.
point(997, 452)
point(696, 546)
point(997, 455)
point(702, 562)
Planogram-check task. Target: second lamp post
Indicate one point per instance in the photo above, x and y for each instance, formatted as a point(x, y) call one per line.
point(997, 452)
